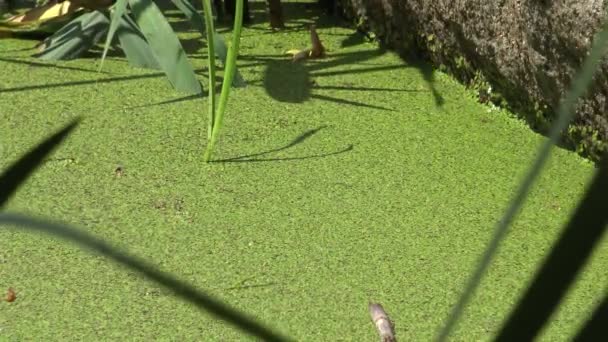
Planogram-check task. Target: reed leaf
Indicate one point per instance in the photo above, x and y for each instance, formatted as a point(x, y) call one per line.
point(179, 288)
point(563, 264)
point(218, 43)
point(75, 38)
point(211, 60)
point(166, 46)
point(18, 173)
point(228, 76)
point(134, 44)
point(120, 8)
point(580, 83)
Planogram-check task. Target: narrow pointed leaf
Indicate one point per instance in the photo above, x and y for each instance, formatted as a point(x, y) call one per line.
point(565, 261)
point(565, 112)
point(596, 325)
point(75, 38)
point(179, 288)
point(134, 44)
point(219, 44)
point(120, 9)
point(18, 173)
point(227, 82)
point(190, 12)
point(168, 50)
point(211, 61)
point(221, 50)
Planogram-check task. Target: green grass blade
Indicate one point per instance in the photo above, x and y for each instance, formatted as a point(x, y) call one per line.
point(218, 41)
point(565, 113)
point(119, 10)
point(179, 288)
point(211, 61)
point(228, 76)
point(166, 46)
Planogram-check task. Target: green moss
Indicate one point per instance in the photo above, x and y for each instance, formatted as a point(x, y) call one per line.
point(303, 236)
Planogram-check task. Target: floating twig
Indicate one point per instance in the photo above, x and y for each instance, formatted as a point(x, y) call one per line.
point(316, 51)
point(382, 322)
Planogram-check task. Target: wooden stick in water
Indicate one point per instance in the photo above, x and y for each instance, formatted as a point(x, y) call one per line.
point(318, 50)
point(382, 322)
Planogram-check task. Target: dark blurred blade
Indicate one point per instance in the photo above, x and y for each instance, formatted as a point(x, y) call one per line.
point(17, 173)
point(566, 259)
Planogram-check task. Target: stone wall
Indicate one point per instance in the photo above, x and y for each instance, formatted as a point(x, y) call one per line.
point(526, 50)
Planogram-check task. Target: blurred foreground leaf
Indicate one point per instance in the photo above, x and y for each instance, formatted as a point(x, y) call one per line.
point(179, 288)
point(580, 83)
point(18, 173)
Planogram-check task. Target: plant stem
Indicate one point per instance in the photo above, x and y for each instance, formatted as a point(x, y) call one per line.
point(228, 76)
point(211, 59)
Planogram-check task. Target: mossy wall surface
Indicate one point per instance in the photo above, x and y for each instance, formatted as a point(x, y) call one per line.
point(527, 51)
